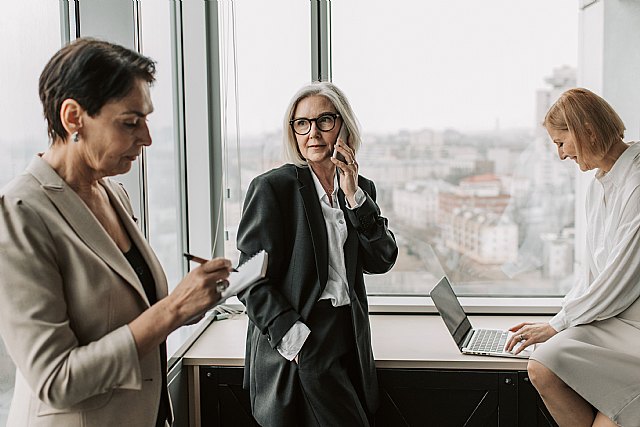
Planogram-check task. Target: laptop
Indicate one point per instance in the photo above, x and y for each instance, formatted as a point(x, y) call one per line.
point(484, 342)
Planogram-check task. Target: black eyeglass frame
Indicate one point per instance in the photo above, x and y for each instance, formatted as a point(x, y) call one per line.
point(334, 115)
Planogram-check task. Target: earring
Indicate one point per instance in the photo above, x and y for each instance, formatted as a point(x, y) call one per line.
point(75, 137)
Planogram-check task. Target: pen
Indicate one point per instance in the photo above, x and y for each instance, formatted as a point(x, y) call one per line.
point(199, 260)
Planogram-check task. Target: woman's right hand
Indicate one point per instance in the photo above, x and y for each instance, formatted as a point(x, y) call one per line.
point(200, 289)
point(529, 333)
point(193, 296)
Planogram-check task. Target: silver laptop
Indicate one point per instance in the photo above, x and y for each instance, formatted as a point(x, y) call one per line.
point(485, 342)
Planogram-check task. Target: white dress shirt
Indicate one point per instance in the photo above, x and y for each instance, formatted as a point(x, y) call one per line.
point(337, 287)
point(611, 282)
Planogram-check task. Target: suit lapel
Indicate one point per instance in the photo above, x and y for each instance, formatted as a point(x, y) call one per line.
point(83, 222)
point(315, 219)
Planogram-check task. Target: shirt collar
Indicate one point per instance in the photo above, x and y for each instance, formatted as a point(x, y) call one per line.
point(319, 189)
point(621, 167)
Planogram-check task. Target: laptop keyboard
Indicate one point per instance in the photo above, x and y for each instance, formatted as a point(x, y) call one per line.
point(489, 340)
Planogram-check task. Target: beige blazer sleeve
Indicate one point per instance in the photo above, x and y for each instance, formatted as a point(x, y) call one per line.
point(67, 294)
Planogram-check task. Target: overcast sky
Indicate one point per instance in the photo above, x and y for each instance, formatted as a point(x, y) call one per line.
point(29, 35)
point(464, 64)
point(404, 64)
point(408, 64)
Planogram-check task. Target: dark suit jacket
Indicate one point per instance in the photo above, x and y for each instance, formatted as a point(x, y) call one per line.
point(282, 214)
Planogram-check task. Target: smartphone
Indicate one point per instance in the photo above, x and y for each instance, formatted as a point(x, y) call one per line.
point(344, 136)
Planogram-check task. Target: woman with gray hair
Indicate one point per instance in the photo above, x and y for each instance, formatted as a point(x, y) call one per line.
point(309, 359)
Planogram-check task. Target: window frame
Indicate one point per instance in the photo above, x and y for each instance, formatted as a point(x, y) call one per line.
point(195, 32)
point(322, 70)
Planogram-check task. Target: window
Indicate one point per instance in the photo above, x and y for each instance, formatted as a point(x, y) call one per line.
point(25, 50)
point(273, 62)
point(450, 96)
point(163, 178)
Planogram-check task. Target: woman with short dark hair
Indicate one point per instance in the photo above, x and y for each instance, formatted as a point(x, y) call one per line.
point(84, 310)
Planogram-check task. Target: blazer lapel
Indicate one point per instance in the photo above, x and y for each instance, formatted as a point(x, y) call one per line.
point(83, 222)
point(315, 219)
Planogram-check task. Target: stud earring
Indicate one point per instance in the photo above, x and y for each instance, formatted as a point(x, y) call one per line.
point(75, 137)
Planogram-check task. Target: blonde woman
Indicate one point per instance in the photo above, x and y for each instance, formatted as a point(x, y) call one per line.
point(587, 371)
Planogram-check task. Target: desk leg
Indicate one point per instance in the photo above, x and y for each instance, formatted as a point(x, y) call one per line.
point(194, 396)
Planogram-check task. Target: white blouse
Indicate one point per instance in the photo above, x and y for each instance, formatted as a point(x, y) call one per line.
point(611, 282)
point(337, 287)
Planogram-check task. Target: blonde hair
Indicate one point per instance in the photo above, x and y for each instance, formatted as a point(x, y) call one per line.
point(342, 106)
point(589, 118)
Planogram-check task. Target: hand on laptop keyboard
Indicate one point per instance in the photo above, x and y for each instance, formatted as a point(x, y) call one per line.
point(518, 345)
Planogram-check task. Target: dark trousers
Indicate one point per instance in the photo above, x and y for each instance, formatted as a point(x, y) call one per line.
point(323, 388)
point(327, 370)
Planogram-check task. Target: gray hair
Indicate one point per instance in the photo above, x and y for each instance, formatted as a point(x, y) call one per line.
point(341, 104)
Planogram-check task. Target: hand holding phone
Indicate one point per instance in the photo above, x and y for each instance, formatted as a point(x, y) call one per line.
point(343, 135)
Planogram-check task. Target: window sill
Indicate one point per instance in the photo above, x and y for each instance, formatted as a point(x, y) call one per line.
point(472, 305)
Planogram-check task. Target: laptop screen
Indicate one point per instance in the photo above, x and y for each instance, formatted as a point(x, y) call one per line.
point(450, 310)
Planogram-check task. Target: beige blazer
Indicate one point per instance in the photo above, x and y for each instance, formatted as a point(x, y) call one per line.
point(66, 295)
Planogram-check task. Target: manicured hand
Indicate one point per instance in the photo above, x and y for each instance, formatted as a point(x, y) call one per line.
point(528, 333)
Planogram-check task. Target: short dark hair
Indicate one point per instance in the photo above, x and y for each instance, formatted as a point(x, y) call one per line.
point(92, 72)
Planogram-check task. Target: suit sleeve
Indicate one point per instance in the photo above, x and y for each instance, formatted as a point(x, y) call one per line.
point(261, 227)
point(36, 327)
point(378, 246)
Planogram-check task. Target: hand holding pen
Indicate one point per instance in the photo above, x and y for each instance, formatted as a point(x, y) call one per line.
point(222, 284)
point(201, 261)
point(199, 291)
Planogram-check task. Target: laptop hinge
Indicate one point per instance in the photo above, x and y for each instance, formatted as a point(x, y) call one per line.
point(467, 338)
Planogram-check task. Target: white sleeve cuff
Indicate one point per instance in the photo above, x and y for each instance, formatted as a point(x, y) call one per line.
point(360, 198)
point(559, 321)
point(293, 340)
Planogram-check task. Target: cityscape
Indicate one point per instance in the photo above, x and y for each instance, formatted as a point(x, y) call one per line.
point(494, 210)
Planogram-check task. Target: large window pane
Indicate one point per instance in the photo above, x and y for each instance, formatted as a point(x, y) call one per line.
point(29, 36)
point(162, 167)
point(450, 96)
point(273, 62)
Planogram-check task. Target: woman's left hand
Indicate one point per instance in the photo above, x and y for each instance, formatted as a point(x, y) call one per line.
point(348, 169)
point(528, 334)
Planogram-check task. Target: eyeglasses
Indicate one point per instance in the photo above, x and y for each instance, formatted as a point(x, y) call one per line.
point(325, 123)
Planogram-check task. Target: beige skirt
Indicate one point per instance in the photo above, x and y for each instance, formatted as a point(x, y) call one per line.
point(601, 362)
